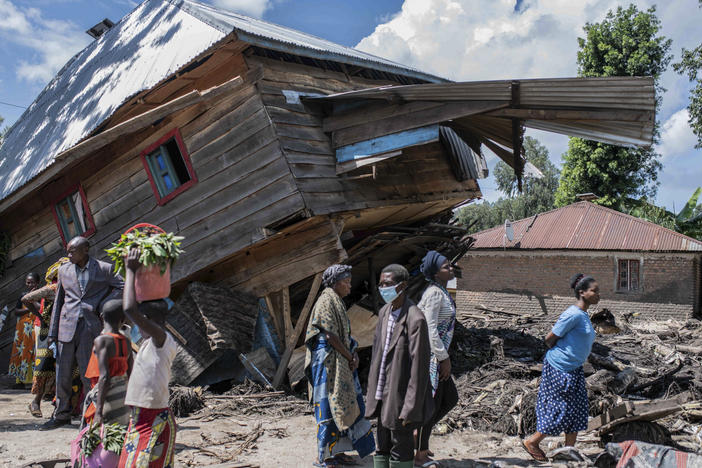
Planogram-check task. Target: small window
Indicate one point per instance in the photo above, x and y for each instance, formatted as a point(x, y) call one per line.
point(628, 275)
point(72, 215)
point(168, 165)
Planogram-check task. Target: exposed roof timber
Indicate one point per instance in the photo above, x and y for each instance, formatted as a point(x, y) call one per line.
point(619, 110)
point(369, 128)
point(579, 114)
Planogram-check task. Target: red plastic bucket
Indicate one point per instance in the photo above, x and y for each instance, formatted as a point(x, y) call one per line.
point(149, 283)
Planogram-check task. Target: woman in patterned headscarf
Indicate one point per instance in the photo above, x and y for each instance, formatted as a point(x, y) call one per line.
point(44, 381)
point(331, 367)
point(22, 357)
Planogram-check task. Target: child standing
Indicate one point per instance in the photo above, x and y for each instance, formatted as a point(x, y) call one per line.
point(150, 440)
point(108, 370)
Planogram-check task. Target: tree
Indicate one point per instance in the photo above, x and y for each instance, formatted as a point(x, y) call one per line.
point(688, 221)
point(691, 65)
point(537, 193)
point(625, 43)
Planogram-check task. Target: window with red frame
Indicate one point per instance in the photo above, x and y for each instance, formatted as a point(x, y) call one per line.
point(628, 275)
point(168, 166)
point(72, 215)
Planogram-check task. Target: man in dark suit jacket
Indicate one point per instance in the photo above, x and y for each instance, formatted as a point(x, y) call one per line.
point(399, 390)
point(83, 284)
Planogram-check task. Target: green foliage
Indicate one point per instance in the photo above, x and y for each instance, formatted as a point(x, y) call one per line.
point(688, 221)
point(611, 172)
point(157, 248)
point(112, 440)
point(691, 65)
point(625, 43)
point(537, 194)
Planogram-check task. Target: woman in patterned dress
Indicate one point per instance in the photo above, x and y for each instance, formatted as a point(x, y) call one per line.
point(22, 357)
point(44, 380)
point(440, 311)
point(331, 365)
point(561, 405)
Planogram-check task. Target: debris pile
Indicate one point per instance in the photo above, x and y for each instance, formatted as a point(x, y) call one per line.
point(245, 399)
point(637, 374)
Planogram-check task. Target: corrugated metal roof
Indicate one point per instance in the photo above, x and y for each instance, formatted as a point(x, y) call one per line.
point(586, 226)
point(276, 37)
point(152, 42)
point(616, 110)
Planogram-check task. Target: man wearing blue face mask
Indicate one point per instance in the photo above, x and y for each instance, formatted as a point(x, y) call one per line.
point(399, 388)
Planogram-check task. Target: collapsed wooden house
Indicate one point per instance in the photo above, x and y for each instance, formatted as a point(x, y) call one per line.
point(270, 150)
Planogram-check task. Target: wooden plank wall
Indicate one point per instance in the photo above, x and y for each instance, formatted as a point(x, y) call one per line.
point(424, 175)
point(244, 184)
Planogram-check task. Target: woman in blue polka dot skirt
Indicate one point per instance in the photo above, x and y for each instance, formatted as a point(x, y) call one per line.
point(561, 405)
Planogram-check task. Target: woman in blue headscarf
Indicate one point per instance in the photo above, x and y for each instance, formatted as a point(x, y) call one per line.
point(440, 311)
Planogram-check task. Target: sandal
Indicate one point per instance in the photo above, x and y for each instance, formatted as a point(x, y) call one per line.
point(538, 456)
point(36, 412)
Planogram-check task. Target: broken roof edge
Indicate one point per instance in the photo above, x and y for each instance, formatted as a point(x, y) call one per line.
point(368, 61)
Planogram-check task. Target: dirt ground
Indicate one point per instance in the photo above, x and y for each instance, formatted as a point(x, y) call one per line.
point(286, 442)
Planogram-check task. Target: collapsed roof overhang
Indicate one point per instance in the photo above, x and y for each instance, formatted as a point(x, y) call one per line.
point(614, 110)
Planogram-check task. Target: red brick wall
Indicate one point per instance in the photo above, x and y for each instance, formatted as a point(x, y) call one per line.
point(668, 283)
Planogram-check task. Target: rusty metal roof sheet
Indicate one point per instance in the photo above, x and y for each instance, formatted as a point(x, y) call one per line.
point(586, 226)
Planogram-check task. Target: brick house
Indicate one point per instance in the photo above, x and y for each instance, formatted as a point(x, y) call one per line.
point(641, 267)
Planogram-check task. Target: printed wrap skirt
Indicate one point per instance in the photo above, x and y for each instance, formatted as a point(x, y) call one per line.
point(561, 405)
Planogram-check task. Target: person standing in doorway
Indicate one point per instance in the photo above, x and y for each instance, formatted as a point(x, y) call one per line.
point(440, 311)
point(83, 284)
point(399, 391)
point(561, 404)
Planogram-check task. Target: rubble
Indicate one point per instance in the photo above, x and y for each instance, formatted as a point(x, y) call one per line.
point(644, 381)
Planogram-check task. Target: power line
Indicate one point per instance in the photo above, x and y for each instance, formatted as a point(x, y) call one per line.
point(13, 105)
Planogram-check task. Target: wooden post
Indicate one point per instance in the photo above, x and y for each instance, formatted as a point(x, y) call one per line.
point(277, 322)
point(299, 327)
point(287, 321)
point(373, 285)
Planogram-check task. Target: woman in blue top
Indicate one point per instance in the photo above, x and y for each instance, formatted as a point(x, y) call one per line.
point(561, 405)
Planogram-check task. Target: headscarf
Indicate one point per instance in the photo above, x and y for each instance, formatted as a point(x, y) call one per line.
point(52, 271)
point(335, 273)
point(431, 264)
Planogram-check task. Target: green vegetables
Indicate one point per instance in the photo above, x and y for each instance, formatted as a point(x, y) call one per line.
point(112, 439)
point(157, 248)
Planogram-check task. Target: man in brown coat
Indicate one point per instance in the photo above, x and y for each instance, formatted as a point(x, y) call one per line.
point(399, 389)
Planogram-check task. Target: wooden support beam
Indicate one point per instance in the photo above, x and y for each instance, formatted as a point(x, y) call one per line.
point(563, 114)
point(299, 327)
point(277, 322)
point(287, 321)
point(421, 118)
point(372, 112)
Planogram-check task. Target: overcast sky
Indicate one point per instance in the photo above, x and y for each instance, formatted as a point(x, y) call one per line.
point(458, 39)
